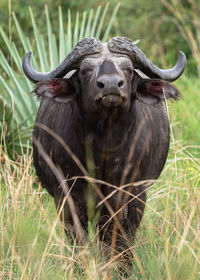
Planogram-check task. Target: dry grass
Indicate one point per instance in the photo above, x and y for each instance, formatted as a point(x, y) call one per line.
point(34, 245)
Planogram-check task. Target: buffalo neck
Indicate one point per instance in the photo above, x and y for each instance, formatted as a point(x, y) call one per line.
point(109, 131)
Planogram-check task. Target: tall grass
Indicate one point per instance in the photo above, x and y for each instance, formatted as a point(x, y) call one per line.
point(186, 15)
point(33, 244)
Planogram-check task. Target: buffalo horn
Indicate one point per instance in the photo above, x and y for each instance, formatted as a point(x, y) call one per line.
point(124, 45)
point(84, 47)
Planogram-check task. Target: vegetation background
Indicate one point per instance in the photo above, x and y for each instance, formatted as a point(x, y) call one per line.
point(159, 24)
point(32, 242)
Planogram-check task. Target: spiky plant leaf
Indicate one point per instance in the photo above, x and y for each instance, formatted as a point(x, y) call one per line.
point(76, 29)
point(98, 32)
point(95, 21)
point(69, 33)
point(62, 42)
point(81, 34)
point(24, 40)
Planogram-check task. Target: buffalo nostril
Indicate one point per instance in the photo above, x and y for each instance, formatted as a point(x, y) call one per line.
point(120, 84)
point(100, 85)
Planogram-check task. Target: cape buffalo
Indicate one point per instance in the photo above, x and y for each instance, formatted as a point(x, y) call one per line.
point(123, 113)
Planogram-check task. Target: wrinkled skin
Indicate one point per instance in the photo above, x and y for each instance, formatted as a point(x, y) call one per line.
point(125, 119)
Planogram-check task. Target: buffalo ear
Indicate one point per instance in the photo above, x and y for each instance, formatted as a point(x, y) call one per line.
point(151, 91)
point(59, 89)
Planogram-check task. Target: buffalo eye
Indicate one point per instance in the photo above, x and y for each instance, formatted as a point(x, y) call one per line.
point(85, 71)
point(128, 69)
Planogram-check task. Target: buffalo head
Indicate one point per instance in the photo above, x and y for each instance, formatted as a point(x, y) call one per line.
point(107, 73)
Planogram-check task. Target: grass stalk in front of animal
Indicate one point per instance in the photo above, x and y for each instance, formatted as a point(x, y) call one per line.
point(167, 244)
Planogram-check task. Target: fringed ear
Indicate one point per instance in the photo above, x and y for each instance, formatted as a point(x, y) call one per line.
point(151, 91)
point(59, 89)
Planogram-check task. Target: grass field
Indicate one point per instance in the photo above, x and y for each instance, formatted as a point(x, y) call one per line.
point(33, 244)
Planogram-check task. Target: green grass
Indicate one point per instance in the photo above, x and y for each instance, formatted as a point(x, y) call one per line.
point(33, 244)
point(185, 114)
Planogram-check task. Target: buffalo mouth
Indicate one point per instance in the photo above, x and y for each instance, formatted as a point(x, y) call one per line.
point(110, 100)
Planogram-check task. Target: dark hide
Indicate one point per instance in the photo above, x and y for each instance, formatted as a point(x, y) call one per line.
point(129, 145)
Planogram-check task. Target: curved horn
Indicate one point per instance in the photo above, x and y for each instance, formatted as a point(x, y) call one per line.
point(84, 47)
point(126, 46)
